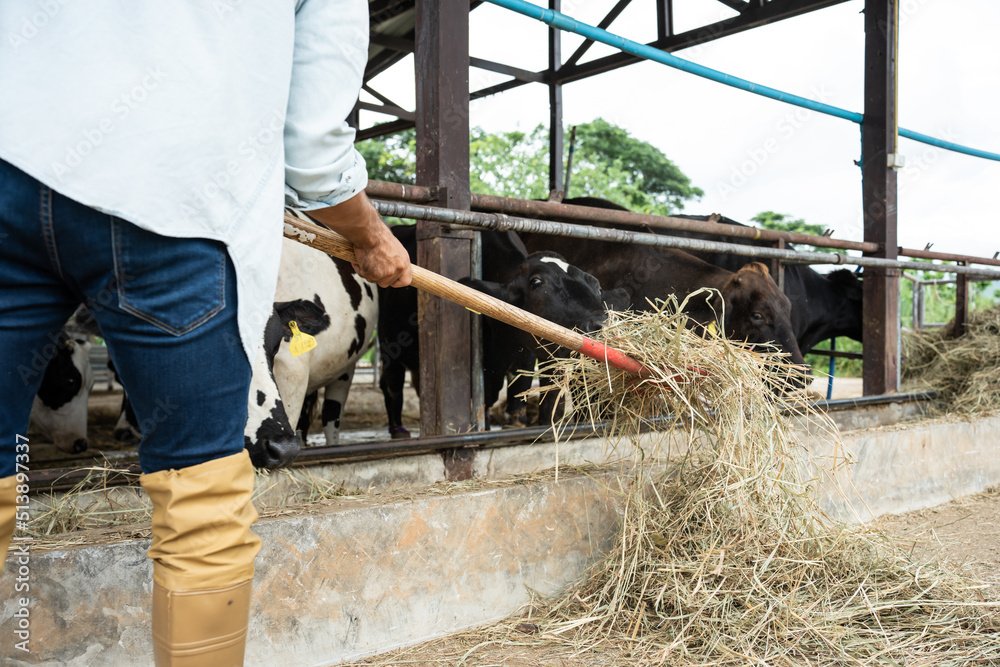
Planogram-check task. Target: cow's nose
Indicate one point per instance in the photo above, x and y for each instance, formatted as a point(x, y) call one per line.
point(79, 445)
point(281, 451)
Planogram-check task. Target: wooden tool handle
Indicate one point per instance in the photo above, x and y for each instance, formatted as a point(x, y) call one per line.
point(334, 244)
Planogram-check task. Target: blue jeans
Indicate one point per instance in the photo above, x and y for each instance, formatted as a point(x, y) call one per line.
point(165, 306)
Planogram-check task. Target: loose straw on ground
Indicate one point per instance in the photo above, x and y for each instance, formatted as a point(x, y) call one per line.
point(724, 558)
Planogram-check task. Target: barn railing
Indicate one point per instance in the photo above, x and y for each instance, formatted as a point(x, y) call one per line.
point(503, 222)
point(416, 194)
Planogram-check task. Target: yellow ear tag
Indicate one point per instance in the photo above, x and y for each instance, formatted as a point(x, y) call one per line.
point(712, 328)
point(301, 342)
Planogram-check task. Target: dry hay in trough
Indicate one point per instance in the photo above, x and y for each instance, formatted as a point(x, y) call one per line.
point(964, 370)
point(724, 556)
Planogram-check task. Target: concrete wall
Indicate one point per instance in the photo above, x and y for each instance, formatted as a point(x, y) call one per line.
point(356, 576)
point(351, 578)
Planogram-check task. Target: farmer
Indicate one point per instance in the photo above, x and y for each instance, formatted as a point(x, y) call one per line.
point(146, 151)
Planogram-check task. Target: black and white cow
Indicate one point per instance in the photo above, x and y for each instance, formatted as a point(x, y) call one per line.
point(399, 351)
point(543, 284)
point(344, 326)
point(59, 409)
point(328, 300)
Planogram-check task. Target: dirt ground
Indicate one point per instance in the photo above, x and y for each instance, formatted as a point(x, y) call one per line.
point(963, 534)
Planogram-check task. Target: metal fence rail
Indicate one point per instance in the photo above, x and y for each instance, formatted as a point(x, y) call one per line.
point(417, 194)
point(501, 222)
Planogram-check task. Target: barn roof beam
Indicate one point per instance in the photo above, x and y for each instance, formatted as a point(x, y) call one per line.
point(739, 5)
point(389, 110)
point(608, 19)
point(378, 96)
point(776, 10)
point(403, 45)
point(755, 16)
point(385, 129)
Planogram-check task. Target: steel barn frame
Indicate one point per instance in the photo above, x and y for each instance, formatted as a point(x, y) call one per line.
point(437, 32)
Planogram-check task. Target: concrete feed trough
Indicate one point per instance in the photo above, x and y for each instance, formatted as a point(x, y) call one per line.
point(353, 576)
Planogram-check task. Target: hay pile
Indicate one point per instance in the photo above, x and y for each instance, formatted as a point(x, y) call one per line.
point(964, 370)
point(724, 557)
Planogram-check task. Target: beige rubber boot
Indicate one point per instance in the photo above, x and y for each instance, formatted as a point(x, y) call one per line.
point(202, 553)
point(8, 507)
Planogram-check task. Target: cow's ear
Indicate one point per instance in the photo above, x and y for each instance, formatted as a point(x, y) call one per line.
point(756, 267)
point(575, 272)
point(311, 318)
point(616, 299)
point(496, 290)
point(84, 320)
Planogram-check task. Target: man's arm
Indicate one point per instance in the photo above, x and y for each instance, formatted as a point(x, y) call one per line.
point(324, 174)
point(381, 258)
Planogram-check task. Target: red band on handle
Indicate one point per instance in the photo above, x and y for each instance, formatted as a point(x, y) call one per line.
point(612, 357)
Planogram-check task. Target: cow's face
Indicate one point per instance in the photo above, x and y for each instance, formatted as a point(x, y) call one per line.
point(269, 437)
point(547, 285)
point(758, 312)
point(60, 407)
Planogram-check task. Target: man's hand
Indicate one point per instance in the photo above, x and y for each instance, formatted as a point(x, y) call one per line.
point(380, 257)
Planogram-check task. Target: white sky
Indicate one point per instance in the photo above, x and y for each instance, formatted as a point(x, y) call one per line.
point(949, 86)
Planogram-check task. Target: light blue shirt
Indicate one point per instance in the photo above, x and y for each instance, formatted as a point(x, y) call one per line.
point(189, 118)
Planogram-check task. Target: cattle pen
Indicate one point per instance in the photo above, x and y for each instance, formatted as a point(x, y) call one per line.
point(385, 562)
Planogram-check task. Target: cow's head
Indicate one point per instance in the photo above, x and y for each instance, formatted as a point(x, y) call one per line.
point(269, 437)
point(758, 312)
point(60, 407)
point(546, 285)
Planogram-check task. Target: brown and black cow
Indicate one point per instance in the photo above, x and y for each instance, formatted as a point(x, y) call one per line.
point(824, 305)
point(753, 308)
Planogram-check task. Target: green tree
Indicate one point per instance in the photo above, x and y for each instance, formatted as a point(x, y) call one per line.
point(608, 163)
point(391, 158)
point(510, 164)
point(784, 222)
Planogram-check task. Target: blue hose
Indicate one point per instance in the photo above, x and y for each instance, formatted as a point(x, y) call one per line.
point(565, 23)
point(833, 368)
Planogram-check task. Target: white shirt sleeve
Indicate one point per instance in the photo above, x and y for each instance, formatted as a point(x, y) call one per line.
point(322, 167)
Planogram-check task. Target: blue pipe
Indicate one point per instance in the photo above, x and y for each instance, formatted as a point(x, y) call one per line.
point(833, 369)
point(562, 22)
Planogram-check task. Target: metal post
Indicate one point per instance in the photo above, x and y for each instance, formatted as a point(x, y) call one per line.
point(878, 142)
point(778, 267)
point(961, 302)
point(442, 68)
point(555, 107)
point(480, 419)
point(569, 161)
point(664, 19)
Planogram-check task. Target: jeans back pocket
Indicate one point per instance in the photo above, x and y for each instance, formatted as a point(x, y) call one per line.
point(175, 284)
